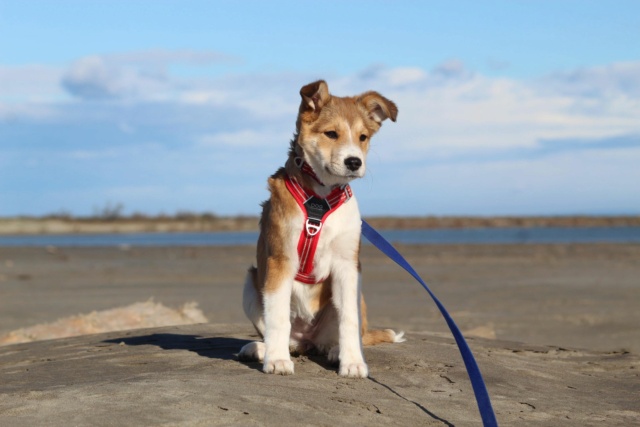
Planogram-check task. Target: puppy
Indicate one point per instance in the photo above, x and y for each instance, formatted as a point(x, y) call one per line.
point(304, 294)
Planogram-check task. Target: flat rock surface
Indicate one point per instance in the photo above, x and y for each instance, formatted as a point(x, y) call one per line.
point(189, 375)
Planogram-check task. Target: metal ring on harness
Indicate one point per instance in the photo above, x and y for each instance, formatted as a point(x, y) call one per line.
point(312, 229)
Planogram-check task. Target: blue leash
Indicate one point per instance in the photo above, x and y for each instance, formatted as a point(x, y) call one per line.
point(479, 388)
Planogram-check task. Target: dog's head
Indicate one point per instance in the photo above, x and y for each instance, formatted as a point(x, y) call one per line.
point(333, 133)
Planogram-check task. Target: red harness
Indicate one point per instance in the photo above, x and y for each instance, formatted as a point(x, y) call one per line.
point(315, 210)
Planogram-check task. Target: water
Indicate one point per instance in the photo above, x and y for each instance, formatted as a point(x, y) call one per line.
point(441, 236)
point(517, 235)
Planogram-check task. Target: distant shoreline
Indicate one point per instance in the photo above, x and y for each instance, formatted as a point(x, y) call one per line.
point(208, 223)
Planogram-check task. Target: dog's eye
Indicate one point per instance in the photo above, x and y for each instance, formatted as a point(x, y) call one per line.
point(363, 138)
point(331, 134)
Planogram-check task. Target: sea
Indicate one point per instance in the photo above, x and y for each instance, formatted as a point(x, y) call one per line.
point(515, 235)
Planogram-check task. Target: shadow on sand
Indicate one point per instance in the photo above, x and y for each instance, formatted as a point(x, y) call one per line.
point(223, 348)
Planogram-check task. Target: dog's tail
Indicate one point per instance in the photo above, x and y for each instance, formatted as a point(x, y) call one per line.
point(377, 336)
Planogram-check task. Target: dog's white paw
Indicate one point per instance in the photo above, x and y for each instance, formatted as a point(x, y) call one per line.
point(334, 355)
point(281, 367)
point(354, 370)
point(252, 351)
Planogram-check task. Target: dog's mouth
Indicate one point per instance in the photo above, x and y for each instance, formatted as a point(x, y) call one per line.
point(348, 175)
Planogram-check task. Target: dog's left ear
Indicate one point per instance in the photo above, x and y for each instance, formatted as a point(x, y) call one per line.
point(378, 107)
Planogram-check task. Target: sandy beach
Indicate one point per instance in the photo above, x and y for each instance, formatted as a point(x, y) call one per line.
point(582, 296)
point(571, 307)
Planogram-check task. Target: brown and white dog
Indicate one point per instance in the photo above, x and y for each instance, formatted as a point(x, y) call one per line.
point(312, 208)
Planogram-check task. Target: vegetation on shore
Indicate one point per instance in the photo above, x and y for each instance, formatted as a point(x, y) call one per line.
point(112, 220)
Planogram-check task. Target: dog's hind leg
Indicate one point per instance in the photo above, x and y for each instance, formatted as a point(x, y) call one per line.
point(376, 336)
point(369, 337)
point(252, 351)
point(252, 305)
point(252, 301)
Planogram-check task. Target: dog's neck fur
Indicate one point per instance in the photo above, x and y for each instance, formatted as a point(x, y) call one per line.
point(307, 181)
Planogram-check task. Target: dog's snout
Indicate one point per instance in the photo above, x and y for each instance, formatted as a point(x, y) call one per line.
point(353, 163)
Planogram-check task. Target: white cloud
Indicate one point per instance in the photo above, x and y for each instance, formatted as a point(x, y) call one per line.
point(568, 183)
point(405, 76)
point(445, 111)
point(141, 75)
point(621, 79)
point(465, 138)
point(32, 111)
point(449, 111)
point(246, 138)
point(30, 91)
point(30, 83)
point(267, 96)
point(164, 57)
point(94, 77)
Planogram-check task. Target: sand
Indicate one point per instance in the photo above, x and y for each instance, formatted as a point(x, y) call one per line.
point(113, 222)
point(575, 307)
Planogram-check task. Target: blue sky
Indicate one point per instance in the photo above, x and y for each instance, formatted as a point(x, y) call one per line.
point(506, 108)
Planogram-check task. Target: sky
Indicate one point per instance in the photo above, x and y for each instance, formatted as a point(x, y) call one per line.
point(505, 107)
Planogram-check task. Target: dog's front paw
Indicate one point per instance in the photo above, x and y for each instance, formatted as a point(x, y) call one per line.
point(354, 370)
point(282, 367)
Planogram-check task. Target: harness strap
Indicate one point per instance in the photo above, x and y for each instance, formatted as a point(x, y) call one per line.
point(315, 210)
point(307, 169)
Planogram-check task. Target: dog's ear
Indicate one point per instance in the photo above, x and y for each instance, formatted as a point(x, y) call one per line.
point(314, 96)
point(378, 107)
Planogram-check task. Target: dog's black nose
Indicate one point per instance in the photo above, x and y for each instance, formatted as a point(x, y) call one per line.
point(353, 163)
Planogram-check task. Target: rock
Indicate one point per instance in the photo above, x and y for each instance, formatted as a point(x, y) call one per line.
point(189, 375)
